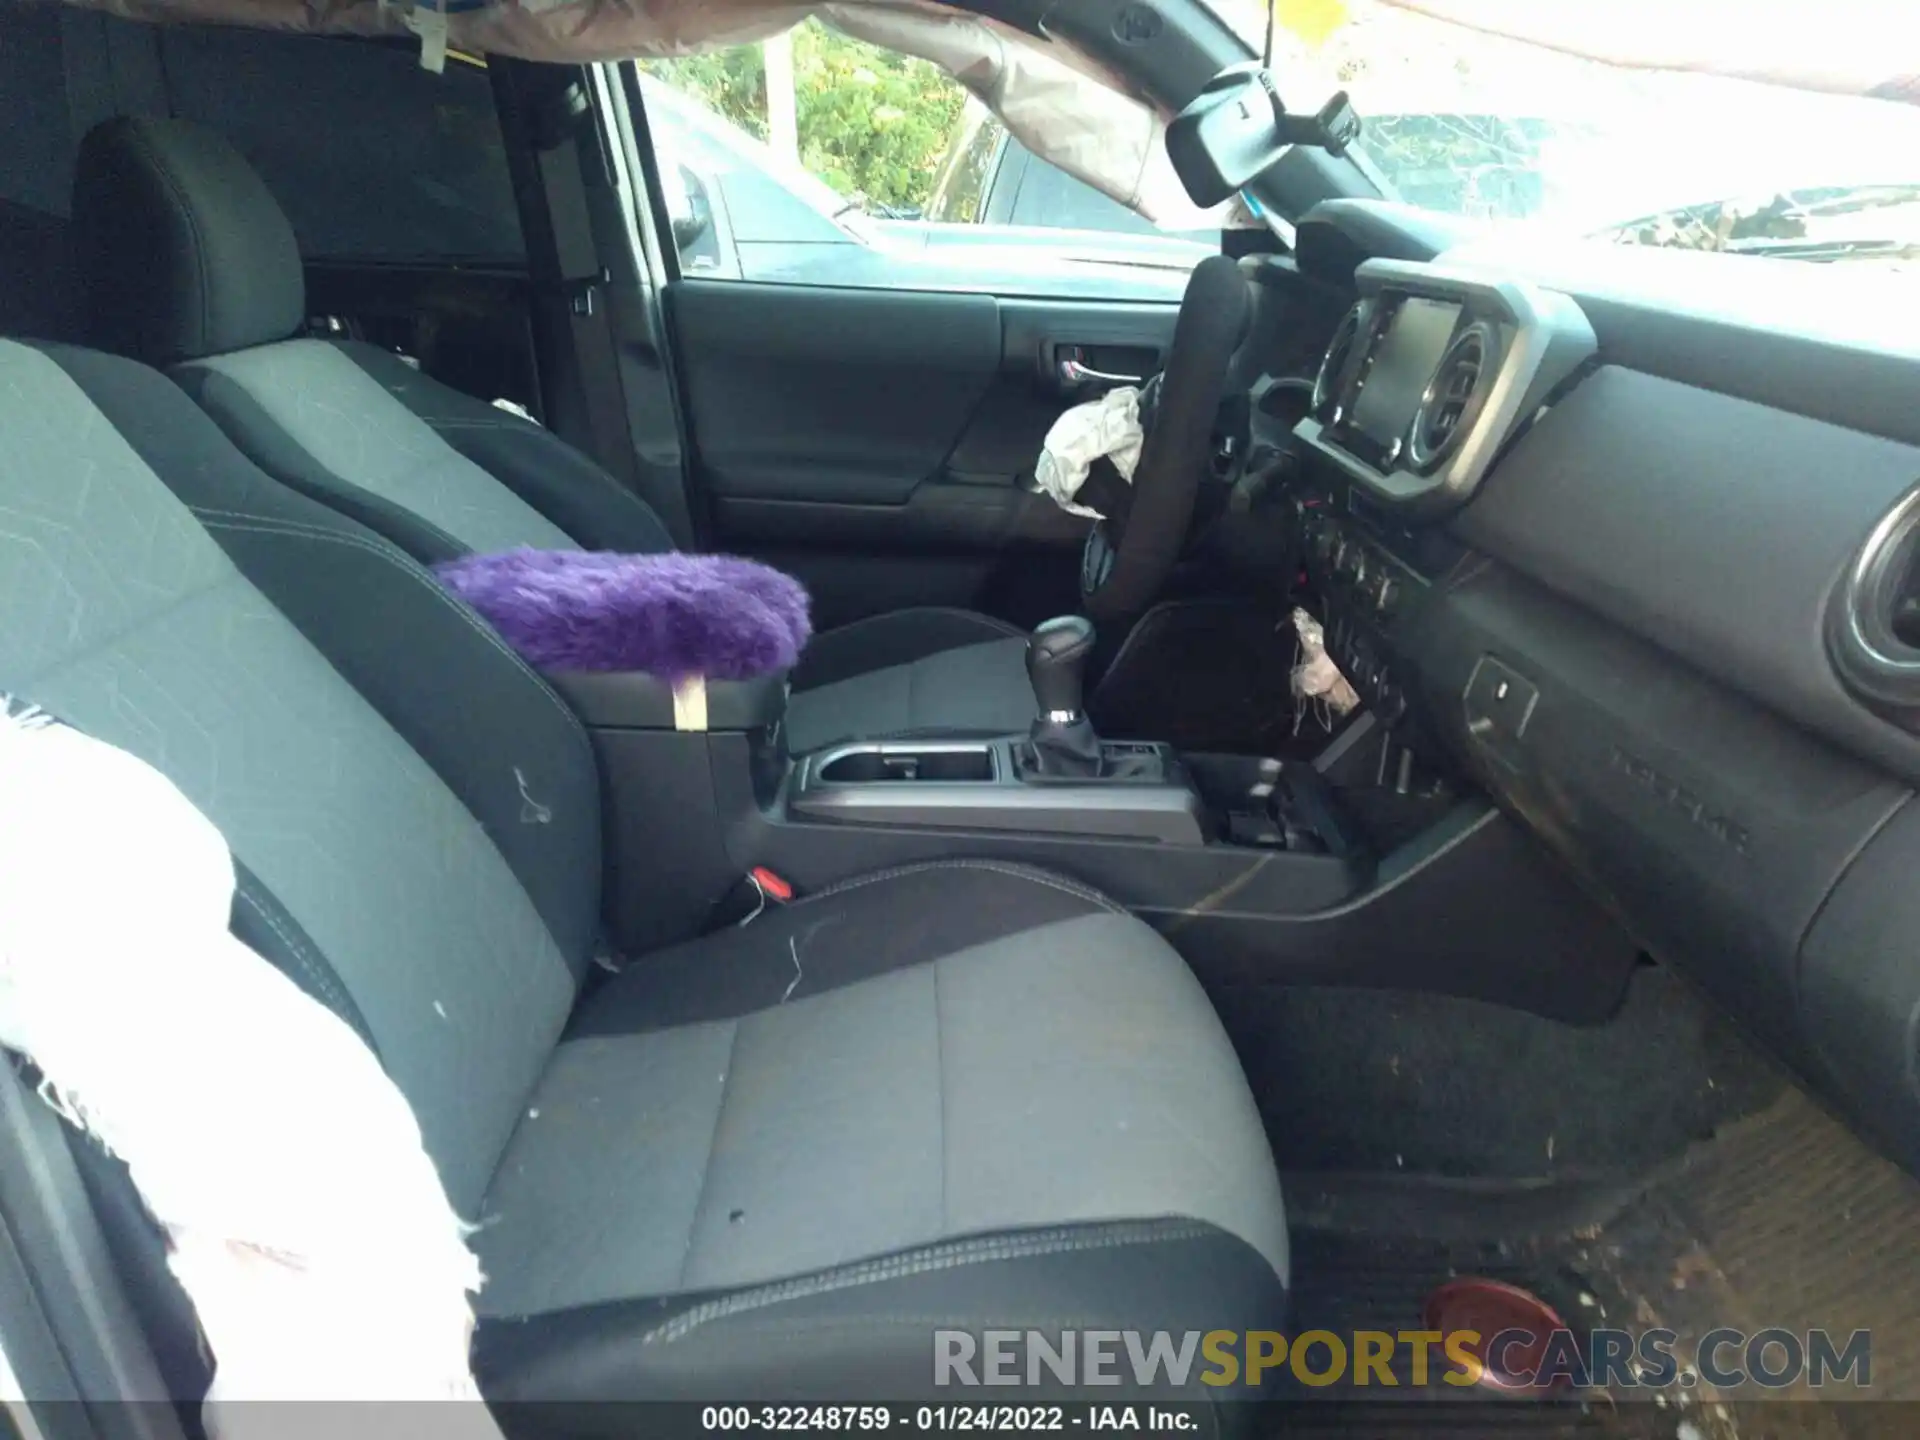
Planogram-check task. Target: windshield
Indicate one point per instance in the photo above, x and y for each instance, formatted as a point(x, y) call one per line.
point(1461, 116)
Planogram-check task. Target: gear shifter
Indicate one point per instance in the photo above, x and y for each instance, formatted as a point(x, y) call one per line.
point(1062, 737)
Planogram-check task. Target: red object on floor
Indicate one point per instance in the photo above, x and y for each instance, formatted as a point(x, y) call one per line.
point(1514, 1326)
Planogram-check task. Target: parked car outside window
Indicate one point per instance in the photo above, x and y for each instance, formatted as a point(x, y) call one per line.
point(876, 198)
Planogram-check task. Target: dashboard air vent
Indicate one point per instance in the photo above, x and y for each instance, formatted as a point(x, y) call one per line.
point(1873, 629)
point(1328, 383)
point(1452, 398)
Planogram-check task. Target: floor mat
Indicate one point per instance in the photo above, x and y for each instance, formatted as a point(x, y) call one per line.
point(1784, 1219)
point(1349, 1283)
point(1375, 1081)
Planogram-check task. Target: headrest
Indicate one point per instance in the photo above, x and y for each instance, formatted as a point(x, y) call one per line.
point(183, 251)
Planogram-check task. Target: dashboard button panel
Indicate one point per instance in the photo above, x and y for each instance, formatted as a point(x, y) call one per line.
point(1363, 586)
point(1499, 703)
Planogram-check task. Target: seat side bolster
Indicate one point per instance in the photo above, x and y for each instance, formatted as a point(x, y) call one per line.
point(868, 1331)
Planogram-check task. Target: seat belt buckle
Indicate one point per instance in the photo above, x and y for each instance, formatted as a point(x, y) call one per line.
point(776, 888)
point(757, 891)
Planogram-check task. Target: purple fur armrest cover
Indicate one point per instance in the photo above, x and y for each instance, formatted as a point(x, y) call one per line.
point(671, 616)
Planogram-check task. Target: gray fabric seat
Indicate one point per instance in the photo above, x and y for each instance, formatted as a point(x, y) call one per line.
point(189, 263)
point(767, 1162)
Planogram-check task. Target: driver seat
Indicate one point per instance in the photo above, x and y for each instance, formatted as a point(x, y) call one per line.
point(190, 264)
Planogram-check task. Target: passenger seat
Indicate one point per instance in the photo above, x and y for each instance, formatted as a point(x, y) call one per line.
point(190, 264)
point(764, 1163)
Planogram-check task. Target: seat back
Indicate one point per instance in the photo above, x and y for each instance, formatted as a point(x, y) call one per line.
point(416, 811)
point(189, 263)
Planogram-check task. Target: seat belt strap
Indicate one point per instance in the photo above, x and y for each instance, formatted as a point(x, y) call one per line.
point(582, 281)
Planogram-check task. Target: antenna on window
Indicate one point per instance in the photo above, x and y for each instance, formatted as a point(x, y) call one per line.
point(1266, 50)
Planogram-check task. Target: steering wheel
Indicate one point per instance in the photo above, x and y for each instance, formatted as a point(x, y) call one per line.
point(1123, 566)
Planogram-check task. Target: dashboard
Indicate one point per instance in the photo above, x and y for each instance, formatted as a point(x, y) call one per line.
point(1633, 541)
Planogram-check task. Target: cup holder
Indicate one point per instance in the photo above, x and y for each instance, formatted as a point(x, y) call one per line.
point(873, 765)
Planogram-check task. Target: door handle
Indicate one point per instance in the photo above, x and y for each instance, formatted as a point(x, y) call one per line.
point(1071, 371)
point(1075, 372)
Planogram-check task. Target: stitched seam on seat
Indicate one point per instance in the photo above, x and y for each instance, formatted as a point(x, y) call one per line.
point(593, 467)
point(350, 492)
point(373, 499)
point(224, 520)
point(322, 981)
point(448, 423)
point(412, 473)
point(949, 1255)
point(706, 1174)
point(505, 424)
point(940, 1079)
point(1019, 872)
point(60, 663)
point(405, 472)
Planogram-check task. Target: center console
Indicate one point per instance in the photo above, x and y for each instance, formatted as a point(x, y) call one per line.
point(1134, 818)
point(1255, 868)
point(1144, 793)
point(1340, 869)
point(1059, 779)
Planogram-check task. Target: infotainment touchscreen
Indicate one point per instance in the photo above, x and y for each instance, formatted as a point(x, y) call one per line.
point(1402, 365)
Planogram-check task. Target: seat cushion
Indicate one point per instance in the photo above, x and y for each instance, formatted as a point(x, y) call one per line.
point(917, 671)
point(964, 1093)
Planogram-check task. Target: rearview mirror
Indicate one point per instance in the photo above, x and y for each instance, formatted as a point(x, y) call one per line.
point(1236, 128)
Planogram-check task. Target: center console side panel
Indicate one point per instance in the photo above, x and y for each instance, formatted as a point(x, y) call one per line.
point(1470, 908)
point(666, 855)
point(1467, 908)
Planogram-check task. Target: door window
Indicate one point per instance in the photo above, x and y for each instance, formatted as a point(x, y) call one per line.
point(884, 174)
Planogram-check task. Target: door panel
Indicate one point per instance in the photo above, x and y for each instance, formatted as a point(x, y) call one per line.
point(853, 396)
point(880, 444)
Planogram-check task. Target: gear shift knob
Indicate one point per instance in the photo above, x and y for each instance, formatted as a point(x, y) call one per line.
point(1057, 655)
